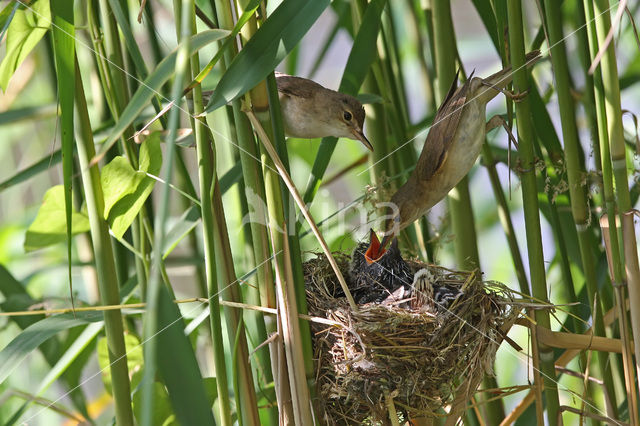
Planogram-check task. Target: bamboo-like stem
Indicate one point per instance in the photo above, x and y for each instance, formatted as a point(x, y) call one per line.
point(463, 224)
point(575, 171)
point(276, 128)
point(505, 219)
point(245, 392)
point(607, 176)
point(157, 274)
point(615, 129)
point(254, 193)
point(562, 361)
point(298, 199)
point(530, 201)
point(465, 243)
point(105, 264)
point(288, 314)
point(206, 164)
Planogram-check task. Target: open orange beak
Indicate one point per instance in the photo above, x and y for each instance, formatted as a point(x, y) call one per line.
point(375, 250)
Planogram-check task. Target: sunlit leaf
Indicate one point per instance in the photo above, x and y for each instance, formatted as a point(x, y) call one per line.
point(134, 358)
point(49, 226)
point(26, 29)
point(125, 190)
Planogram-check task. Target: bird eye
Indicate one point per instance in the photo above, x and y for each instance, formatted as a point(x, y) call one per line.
point(347, 115)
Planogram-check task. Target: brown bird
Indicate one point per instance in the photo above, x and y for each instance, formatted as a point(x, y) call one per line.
point(451, 147)
point(310, 110)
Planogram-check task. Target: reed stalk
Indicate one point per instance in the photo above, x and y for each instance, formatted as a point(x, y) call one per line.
point(611, 86)
point(531, 210)
point(105, 263)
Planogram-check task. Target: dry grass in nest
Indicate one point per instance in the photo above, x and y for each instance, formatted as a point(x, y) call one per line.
point(425, 361)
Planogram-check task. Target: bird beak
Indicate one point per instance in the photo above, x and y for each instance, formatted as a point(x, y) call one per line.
point(359, 135)
point(374, 252)
point(385, 241)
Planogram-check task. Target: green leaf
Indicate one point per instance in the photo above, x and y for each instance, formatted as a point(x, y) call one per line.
point(65, 54)
point(363, 53)
point(279, 34)
point(25, 31)
point(134, 359)
point(162, 413)
point(180, 229)
point(153, 85)
point(49, 226)
point(178, 367)
point(67, 358)
point(484, 9)
point(370, 98)
point(33, 336)
point(5, 17)
point(36, 168)
point(125, 190)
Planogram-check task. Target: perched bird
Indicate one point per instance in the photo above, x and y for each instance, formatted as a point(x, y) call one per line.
point(450, 149)
point(434, 298)
point(373, 281)
point(311, 111)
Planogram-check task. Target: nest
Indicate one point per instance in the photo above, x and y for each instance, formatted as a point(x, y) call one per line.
point(425, 362)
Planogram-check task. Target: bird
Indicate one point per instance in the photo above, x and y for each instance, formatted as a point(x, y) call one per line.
point(451, 148)
point(310, 110)
point(374, 281)
point(435, 298)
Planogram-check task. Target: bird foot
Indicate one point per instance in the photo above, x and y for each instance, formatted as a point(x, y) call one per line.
point(514, 96)
point(497, 121)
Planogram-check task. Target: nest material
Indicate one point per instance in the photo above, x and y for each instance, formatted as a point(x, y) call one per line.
point(424, 360)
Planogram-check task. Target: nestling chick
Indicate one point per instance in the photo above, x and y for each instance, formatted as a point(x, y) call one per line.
point(373, 281)
point(435, 298)
point(310, 110)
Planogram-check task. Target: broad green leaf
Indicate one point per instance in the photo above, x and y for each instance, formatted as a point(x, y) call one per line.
point(65, 56)
point(279, 34)
point(162, 413)
point(29, 113)
point(5, 17)
point(16, 298)
point(370, 98)
point(484, 9)
point(362, 55)
point(26, 29)
point(230, 178)
point(249, 12)
point(49, 226)
point(33, 336)
point(68, 357)
point(153, 85)
point(178, 367)
point(125, 190)
point(180, 229)
point(190, 218)
point(134, 359)
point(38, 167)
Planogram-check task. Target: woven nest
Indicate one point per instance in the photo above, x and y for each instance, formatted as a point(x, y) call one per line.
point(425, 362)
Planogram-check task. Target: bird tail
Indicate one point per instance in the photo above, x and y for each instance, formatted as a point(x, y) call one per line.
point(502, 78)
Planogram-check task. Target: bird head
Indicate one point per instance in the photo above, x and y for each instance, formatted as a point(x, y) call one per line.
point(348, 114)
point(377, 249)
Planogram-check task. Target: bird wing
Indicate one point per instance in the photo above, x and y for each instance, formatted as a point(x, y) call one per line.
point(440, 137)
point(295, 86)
